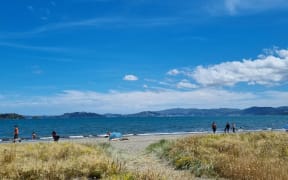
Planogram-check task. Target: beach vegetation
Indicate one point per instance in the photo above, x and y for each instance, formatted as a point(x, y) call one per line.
point(63, 160)
point(258, 155)
point(159, 148)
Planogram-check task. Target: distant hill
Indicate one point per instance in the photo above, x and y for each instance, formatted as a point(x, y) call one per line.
point(145, 114)
point(182, 112)
point(11, 116)
point(266, 111)
point(199, 112)
point(80, 115)
point(176, 112)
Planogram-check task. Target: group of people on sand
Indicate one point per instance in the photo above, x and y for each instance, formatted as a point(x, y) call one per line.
point(34, 136)
point(226, 129)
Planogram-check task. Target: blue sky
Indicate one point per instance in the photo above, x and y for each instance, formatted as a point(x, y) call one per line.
point(126, 56)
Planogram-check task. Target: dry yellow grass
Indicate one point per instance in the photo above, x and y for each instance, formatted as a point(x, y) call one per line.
point(234, 156)
point(55, 161)
point(261, 155)
point(62, 161)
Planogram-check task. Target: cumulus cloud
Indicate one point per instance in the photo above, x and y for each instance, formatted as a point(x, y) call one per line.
point(268, 70)
point(282, 53)
point(130, 77)
point(181, 71)
point(186, 85)
point(173, 72)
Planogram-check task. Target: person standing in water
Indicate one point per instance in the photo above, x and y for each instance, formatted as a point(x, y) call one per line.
point(234, 128)
point(214, 127)
point(33, 135)
point(16, 134)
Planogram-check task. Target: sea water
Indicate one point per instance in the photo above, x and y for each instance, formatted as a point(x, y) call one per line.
point(96, 127)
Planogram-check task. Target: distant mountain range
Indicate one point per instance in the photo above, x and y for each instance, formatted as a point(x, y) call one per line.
point(176, 112)
point(181, 112)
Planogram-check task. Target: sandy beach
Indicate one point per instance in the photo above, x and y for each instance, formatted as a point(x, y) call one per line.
point(133, 144)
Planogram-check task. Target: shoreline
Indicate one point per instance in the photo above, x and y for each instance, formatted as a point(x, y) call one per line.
point(103, 137)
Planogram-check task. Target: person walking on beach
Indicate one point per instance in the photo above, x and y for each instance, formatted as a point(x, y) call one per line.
point(33, 135)
point(16, 134)
point(214, 127)
point(234, 128)
point(227, 128)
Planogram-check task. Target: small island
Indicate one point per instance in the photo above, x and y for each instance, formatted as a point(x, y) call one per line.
point(11, 116)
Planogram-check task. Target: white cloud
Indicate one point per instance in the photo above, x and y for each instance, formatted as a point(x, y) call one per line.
point(282, 53)
point(130, 77)
point(268, 70)
point(181, 71)
point(131, 102)
point(186, 85)
point(173, 72)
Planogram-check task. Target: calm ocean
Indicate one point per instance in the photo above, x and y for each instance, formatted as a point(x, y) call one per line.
point(139, 126)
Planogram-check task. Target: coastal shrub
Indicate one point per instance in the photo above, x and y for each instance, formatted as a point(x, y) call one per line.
point(261, 155)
